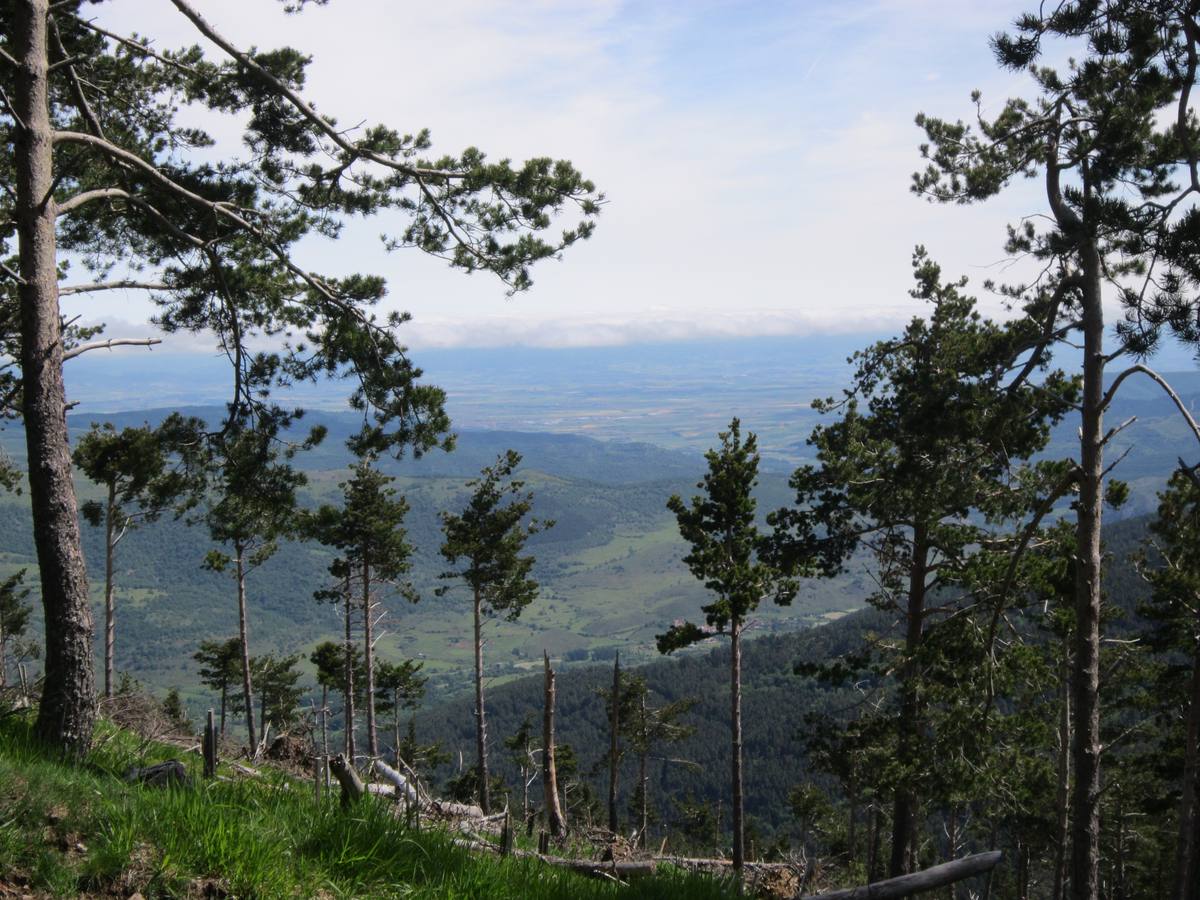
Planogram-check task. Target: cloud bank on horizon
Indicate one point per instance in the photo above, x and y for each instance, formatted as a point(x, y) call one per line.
point(756, 155)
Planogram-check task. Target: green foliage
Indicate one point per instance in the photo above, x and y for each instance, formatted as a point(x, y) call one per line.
point(725, 543)
point(279, 694)
point(488, 537)
point(176, 712)
point(14, 620)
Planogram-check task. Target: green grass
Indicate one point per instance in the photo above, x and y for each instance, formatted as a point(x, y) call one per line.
point(70, 829)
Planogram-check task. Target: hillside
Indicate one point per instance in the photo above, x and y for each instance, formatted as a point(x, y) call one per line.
point(81, 830)
point(610, 568)
point(775, 705)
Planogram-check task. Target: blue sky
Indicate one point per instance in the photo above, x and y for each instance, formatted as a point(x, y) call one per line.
point(756, 155)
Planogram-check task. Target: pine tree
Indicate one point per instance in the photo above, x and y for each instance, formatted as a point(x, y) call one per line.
point(485, 542)
point(219, 668)
point(14, 618)
point(726, 555)
point(923, 469)
point(251, 506)
point(132, 465)
point(101, 165)
point(1114, 143)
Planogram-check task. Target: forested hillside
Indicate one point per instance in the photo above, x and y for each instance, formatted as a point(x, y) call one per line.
point(779, 710)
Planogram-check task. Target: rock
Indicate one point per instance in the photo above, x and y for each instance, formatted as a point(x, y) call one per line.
point(165, 774)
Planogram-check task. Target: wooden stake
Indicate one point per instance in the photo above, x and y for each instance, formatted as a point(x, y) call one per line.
point(210, 745)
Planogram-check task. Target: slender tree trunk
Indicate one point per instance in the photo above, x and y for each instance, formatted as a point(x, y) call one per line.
point(348, 676)
point(369, 658)
point(247, 689)
point(613, 748)
point(735, 714)
point(904, 811)
point(480, 724)
point(643, 777)
point(3, 657)
point(1085, 682)
point(224, 698)
point(110, 625)
point(1063, 793)
point(67, 712)
point(524, 793)
point(554, 816)
point(1187, 864)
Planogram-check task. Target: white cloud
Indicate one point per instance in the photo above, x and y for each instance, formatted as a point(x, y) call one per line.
point(757, 170)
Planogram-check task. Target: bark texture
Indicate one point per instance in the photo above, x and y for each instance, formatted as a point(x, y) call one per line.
point(67, 713)
point(480, 722)
point(554, 816)
point(1085, 678)
point(244, 634)
point(735, 717)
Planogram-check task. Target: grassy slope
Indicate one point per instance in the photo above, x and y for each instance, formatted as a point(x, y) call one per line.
point(69, 830)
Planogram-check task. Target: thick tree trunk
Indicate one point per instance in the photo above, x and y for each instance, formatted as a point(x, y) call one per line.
point(348, 678)
point(1187, 855)
point(613, 749)
point(1063, 794)
point(67, 713)
point(369, 659)
point(243, 633)
point(904, 810)
point(554, 817)
point(735, 715)
point(480, 723)
point(110, 624)
point(1085, 678)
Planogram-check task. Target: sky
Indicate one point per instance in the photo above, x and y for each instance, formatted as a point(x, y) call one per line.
point(755, 156)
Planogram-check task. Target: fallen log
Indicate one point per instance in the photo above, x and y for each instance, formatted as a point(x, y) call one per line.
point(396, 780)
point(918, 882)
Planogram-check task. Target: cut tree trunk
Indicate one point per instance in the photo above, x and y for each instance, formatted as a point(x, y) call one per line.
point(243, 633)
point(67, 712)
point(554, 816)
point(480, 722)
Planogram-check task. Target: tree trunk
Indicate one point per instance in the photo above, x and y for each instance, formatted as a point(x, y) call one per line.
point(247, 690)
point(644, 805)
point(1187, 864)
point(1063, 825)
point(3, 657)
point(67, 712)
point(348, 677)
point(904, 811)
point(735, 715)
point(554, 816)
point(613, 749)
point(224, 698)
point(369, 659)
point(480, 724)
point(110, 625)
point(1085, 682)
